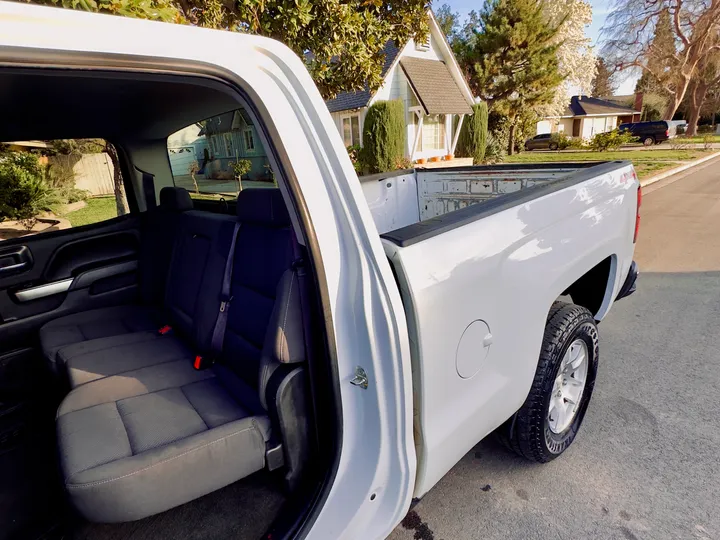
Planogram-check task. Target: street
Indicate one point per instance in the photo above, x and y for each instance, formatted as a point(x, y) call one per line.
point(646, 463)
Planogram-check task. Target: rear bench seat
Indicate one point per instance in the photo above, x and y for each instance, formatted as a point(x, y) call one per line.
point(148, 438)
point(158, 233)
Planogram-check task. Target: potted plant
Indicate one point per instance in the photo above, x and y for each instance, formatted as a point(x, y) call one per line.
point(434, 159)
point(449, 157)
point(240, 167)
point(420, 161)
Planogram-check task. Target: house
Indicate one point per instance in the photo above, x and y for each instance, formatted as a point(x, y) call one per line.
point(230, 137)
point(428, 80)
point(586, 116)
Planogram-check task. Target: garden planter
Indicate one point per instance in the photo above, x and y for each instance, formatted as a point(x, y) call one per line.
point(420, 161)
point(434, 159)
point(449, 157)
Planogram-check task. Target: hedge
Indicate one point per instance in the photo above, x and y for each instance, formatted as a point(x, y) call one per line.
point(474, 134)
point(384, 135)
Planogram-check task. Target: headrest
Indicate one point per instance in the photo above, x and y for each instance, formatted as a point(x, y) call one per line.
point(262, 206)
point(175, 198)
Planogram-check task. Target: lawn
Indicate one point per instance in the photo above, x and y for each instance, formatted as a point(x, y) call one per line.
point(698, 139)
point(646, 162)
point(97, 209)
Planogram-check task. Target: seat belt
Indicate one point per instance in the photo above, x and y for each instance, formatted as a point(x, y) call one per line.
point(148, 184)
point(300, 267)
point(218, 335)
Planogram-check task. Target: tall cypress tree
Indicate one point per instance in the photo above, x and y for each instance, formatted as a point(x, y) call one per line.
point(513, 61)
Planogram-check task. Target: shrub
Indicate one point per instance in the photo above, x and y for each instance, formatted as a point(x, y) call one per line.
point(708, 141)
point(24, 191)
point(494, 150)
point(354, 151)
point(705, 129)
point(384, 137)
point(611, 140)
point(562, 140)
point(241, 167)
point(473, 134)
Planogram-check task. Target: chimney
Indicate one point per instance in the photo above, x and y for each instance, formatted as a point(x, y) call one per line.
point(637, 106)
point(638, 101)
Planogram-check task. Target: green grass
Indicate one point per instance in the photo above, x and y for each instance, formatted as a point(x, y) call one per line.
point(97, 209)
point(698, 139)
point(646, 162)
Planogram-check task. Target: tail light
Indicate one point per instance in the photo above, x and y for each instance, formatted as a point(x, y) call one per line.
point(667, 132)
point(637, 214)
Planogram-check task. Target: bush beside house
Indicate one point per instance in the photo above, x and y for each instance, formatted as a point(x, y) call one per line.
point(384, 137)
point(474, 134)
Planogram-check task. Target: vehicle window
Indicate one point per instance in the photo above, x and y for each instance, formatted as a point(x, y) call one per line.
point(53, 185)
point(217, 157)
point(623, 127)
point(544, 136)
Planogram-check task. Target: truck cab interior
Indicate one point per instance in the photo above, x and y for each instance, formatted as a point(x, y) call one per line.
point(161, 370)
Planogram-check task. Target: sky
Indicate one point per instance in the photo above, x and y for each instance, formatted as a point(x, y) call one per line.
point(600, 10)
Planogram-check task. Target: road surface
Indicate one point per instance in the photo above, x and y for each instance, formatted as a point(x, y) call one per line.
point(646, 463)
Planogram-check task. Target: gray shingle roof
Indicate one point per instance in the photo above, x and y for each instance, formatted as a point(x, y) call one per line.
point(356, 100)
point(434, 86)
point(591, 105)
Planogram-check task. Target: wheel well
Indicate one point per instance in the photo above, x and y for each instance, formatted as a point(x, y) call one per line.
point(589, 290)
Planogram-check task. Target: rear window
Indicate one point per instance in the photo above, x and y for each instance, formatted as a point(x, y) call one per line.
point(218, 157)
point(623, 127)
point(659, 125)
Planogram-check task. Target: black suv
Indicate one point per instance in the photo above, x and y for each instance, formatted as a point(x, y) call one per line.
point(650, 133)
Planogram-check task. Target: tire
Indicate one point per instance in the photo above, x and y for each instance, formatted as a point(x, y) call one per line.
point(530, 432)
point(553, 146)
point(648, 141)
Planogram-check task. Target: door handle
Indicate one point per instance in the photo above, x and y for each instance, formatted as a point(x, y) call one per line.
point(15, 259)
point(13, 267)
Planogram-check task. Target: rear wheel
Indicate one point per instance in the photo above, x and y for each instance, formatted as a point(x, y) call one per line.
point(648, 141)
point(553, 146)
point(549, 420)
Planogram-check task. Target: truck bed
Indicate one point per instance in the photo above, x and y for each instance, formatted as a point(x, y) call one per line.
point(414, 204)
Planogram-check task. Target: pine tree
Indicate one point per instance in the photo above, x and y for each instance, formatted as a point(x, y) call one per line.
point(603, 84)
point(514, 63)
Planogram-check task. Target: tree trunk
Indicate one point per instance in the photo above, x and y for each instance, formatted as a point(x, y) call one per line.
point(698, 91)
point(681, 85)
point(119, 186)
point(511, 139)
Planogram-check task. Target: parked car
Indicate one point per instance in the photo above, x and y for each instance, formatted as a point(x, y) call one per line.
point(329, 347)
point(650, 133)
point(544, 141)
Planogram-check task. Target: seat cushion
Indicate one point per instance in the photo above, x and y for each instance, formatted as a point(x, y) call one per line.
point(94, 324)
point(163, 435)
point(104, 357)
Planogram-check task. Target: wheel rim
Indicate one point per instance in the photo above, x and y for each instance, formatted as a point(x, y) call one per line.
point(569, 387)
point(648, 141)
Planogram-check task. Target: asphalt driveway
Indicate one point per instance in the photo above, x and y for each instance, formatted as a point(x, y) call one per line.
point(646, 464)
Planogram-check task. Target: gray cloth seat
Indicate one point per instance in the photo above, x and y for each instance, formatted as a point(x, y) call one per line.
point(192, 302)
point(158, 232)
point(94, 324)
point(139, 443)
point(142, 431)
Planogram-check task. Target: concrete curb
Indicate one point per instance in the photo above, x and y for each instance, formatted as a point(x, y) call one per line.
point(681, 168)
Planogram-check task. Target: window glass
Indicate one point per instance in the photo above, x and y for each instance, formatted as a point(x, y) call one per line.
point(355, 121)
point(217, 157)
point(347, 133)
point(433, 132)
point(53, 185)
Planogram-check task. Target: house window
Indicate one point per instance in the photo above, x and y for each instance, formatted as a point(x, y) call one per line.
point(249, 140)
point(351, 130)
point(228, 144)
point(433, 132)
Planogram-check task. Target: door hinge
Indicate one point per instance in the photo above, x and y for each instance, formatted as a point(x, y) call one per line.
point(360, 379)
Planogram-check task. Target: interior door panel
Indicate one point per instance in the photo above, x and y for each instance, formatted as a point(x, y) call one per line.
point(46, 276)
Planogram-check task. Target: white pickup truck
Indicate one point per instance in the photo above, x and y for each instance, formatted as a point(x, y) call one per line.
point(436, 306)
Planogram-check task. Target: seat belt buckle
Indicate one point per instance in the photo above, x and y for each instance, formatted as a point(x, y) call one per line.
point(165, 330)
point(201, 363)
point(224, 304)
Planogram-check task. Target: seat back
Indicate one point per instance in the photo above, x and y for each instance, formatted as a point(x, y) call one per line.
point(192, 294)
point(157, 235)
point(263, 252)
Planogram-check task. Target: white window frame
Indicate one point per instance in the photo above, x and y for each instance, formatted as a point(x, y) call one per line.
point(248, 135)
point(349, 118)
